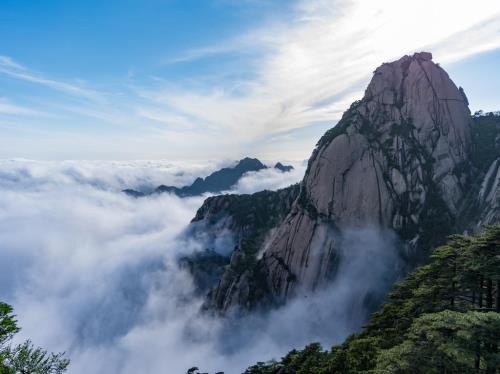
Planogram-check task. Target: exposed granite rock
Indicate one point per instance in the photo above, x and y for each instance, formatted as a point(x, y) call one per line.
point(402, 158)
point(248, 219)
point(394, 161)
point(489, 196)
point(480, 207)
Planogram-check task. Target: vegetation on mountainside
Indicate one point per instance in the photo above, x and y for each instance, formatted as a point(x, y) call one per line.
point(443, 318)
point(484, 151)
point(24, 358)
point(486, 139)
point(251, 218)
point(257, 211)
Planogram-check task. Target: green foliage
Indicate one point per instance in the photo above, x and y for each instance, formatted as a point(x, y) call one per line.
point(485, 136)
point(252, 216)
point(8, 325)
point(25, 358)
point(443, 318)
point(446, 342)
point(206, 267)
point(341, 126)
point(195, 370)
point(269, 367)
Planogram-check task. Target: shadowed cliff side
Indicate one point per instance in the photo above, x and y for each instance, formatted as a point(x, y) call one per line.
point(402, 158)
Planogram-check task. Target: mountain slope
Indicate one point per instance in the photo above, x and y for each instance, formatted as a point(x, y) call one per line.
point(218, 181)
point(404, 157)
point(443, 318)
point(244, 221)
point(396, 159)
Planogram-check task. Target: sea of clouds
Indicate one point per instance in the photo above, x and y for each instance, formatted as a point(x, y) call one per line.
point(93, 272)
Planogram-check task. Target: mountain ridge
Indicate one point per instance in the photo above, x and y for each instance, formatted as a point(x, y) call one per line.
point(218, 181)
point(401, 158)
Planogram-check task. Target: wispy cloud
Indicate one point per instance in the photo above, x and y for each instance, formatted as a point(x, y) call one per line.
point(7, 107)
point(253, 41)
point(288, 75)
point(15, 70)
point(102, 268)
point(329, 49)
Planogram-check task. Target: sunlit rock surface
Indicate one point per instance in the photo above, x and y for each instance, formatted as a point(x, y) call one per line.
point(401, 158)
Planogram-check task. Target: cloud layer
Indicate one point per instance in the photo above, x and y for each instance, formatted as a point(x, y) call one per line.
point(94, 272)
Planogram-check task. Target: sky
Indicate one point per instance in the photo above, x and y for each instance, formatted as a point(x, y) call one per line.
point(213, 79)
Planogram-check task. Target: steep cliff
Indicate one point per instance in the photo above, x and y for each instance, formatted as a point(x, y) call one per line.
point(400, 158)
point(483, 202)
point(233, 227)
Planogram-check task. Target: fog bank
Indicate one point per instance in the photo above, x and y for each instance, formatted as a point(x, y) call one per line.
point(93, 272)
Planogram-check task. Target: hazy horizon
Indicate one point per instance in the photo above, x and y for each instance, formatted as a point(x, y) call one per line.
point(220, 79)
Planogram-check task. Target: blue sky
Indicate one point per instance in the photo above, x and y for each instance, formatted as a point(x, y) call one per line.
point(198, 79)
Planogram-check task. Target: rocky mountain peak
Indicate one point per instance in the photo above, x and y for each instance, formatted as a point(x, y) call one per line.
point(283, 168)
point(398, 159)
point(412, 124)
point(408, 158)
point(250, 163)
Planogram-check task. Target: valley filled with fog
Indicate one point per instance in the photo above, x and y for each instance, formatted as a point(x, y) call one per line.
point(94, 272)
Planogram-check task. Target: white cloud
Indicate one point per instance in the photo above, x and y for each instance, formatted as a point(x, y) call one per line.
point(269, 179)
point(323, 58)
point(93, 272)
point(7, 107)
point(103, 175)
point(293, 71)
point(15, 70)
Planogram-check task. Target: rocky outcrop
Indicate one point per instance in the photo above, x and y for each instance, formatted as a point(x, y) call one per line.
point(233, 227)
point(396, 159)
point(481, 205)
point(489, 196)
point(401, 158)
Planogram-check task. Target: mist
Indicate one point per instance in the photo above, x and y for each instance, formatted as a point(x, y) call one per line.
point(94, 272)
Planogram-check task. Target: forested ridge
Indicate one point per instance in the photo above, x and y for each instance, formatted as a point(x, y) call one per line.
point(443, 318)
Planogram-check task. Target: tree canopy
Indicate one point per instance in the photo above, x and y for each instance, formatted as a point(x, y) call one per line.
point(443, 318)
point(24, 358)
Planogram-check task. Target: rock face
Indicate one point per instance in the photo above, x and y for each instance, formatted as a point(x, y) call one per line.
point(489, 196)
point(235, 226)
point(401, 159)
point(483, 206)
point(396, 159)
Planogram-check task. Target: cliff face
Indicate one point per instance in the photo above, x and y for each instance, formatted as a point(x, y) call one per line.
point(234, 227)
point(489, 196)
point(400, 158)
point(396, 159)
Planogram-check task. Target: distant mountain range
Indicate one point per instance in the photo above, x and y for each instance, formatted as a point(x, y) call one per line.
point(218, 181)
